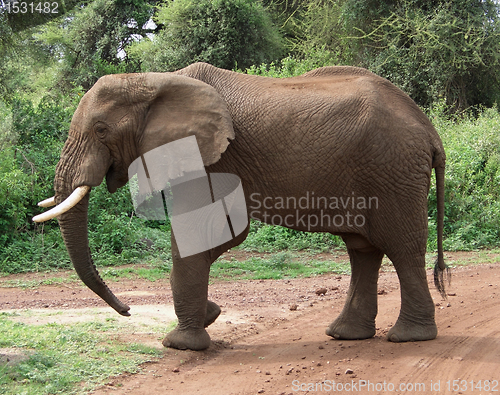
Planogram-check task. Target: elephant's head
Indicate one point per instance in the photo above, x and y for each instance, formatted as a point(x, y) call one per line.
point(118, 120)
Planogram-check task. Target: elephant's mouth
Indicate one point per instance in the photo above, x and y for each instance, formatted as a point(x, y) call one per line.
point(115, 179)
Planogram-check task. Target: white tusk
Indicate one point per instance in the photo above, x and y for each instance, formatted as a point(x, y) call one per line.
point(48, 202)
point(70, 202)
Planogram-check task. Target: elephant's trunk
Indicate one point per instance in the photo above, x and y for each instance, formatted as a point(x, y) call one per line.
point(80, 168)
point(73, 226)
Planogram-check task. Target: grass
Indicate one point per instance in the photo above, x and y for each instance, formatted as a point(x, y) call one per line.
point(477, 257)
point(150, 273)
point(276, 266)
point(282, 264)
point(26, 284)
point(66, 359)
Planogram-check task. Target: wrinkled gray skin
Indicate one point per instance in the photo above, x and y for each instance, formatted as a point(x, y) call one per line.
point(334, 132)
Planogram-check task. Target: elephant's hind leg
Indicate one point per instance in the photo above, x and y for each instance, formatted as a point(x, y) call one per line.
point(416, 318)
point(357, 319)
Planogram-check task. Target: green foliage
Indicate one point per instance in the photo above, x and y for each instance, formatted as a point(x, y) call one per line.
point(292, 66)
point(18, 21)
point(14, 192)
point(224, 33)
point(26, 68)
point(287, 14)
point(472, 214)
point(432, 50)
point(268, 238)
point(117, 236)
point(110, 224)
point(5, 43)
point(34, 251)
point(319, 25)
point(89, 46)
point(27, 169)
point(37, 124)
point(6, 135)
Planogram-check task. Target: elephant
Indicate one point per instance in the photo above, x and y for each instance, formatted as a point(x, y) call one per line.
point(338, 144)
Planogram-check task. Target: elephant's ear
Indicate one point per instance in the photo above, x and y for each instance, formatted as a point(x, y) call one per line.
point(180, 106)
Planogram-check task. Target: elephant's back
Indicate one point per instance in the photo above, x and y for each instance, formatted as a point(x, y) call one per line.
point(336, 71)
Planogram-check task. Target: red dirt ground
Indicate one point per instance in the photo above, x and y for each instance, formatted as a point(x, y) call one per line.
point(261, 346)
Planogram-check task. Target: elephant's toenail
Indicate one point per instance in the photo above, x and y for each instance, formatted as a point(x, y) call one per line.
point(394, 338)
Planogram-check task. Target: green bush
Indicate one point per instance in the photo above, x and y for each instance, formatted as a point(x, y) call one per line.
point(89, 43)
point(35, 125)
point(27, 168)
point(15, 191)
point(224, 33)
point(112, 228)
point(472, 208)
point(292, 66)
point(269, 238)
point(5, 125)
point(34, 251)
point(432, 50)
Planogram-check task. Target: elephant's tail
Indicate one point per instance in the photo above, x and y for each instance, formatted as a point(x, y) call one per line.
point(440, 267)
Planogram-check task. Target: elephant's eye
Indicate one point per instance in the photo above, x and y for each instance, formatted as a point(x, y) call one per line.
point(100, 129)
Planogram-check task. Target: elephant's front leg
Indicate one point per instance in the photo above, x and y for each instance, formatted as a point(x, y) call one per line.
point(357, 319)
point(189, 281)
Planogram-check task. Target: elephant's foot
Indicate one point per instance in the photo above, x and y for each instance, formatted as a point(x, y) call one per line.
point(351, 329)
point(183, 339)
point(409, 331)
point(213, 311)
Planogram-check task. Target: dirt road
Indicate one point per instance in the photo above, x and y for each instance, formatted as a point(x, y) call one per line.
point(261, 346)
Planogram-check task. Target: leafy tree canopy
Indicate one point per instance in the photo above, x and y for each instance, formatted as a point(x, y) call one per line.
point(449, 50)
point(92, 42)
point(225, 33)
